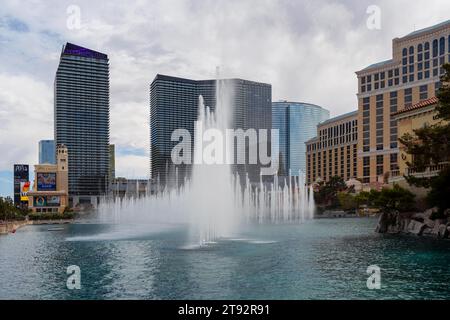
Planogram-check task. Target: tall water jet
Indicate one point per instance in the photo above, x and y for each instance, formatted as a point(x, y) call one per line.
point(214, 202)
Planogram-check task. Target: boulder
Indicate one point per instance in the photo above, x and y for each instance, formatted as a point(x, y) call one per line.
point(428, 212)
point(429, 223)
point(442, 231)
point(419, 216)
point(416, 227)
point(435, 230)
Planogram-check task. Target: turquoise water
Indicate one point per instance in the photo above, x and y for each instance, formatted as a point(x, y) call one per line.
point(322, 259)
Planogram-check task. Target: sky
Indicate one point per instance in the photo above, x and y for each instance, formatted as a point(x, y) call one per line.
point(308, 50)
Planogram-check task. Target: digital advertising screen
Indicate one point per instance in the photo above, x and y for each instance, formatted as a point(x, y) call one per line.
point(46, 181)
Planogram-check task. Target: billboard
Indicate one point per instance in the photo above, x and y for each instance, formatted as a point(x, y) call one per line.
point(46, 181)
point(46, 201)
point(24, 188)
point(21, 174)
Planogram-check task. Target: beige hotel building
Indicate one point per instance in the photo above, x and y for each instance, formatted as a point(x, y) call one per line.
point(333, 151)
point(411, 76)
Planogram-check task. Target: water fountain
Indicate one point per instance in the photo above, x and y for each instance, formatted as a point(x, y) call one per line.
point(213, 202)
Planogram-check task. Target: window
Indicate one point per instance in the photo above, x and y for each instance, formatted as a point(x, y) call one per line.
point(405, 52)
point(442, 46)
point(366, 161)
point(411, 50)
point(435, 48)
point(420, 48)
point(427, 46)
point(380, 159)
point(423, 91)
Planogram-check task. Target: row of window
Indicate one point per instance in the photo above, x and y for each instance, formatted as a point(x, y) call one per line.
point(409, 64)
point(342, 166)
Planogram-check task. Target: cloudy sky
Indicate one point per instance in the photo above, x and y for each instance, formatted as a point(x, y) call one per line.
point(307, 50)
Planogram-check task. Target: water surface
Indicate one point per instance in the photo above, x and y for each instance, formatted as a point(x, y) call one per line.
point(321, 259)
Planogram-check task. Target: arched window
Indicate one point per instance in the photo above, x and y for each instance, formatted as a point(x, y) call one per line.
point(441, 46)
point(427, 46)
point(448, 44)
point(435, 48)
point(411, 50)
point(405, 52)
point(420, 48)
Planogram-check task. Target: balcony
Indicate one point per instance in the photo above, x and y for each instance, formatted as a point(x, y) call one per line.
point(430, 171)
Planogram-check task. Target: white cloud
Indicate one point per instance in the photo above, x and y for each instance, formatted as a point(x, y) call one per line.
point(25, 117)
point(307, 50)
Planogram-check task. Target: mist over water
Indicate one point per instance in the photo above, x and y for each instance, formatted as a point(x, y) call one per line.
point(213, 202)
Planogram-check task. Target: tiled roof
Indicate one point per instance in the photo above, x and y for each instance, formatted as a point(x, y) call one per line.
point(419, 105)
point(379, 64)
point(340, 117)
point(429, 29)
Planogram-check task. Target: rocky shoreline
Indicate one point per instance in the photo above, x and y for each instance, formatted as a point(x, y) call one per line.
point(416, 223)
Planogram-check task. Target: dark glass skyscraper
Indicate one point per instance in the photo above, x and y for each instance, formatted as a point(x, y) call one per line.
point(174, 105)
point(82, 118)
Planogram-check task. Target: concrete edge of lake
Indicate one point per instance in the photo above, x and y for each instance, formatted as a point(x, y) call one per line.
point(11, 226)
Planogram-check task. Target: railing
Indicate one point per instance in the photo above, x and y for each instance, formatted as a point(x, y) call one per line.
point(395, 173)
point(430, 171)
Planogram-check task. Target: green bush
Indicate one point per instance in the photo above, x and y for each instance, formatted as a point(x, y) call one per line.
point(347, 201)
point(51, 216)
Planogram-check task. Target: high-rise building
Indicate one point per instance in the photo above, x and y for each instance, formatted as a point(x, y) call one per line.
point(297, 123)
point(411, 76)
point(82, 119)
point(174, 105)
point(333, 151)
point(47, 152)
point(112, 162)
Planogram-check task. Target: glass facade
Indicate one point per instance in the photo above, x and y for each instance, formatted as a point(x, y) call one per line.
point(82, 118)
point(47, 152)
point(174, 105)
point(297, 123)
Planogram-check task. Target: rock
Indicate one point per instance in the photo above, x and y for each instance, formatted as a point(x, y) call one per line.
point(442, 231)
point(435, 230)
point(416, 227)
point(428, 212)
point(429, 223)
point(387, 223)
point(419, 216)
point(447, 213)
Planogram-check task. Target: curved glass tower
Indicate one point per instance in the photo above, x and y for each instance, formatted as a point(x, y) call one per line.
point(297, 123)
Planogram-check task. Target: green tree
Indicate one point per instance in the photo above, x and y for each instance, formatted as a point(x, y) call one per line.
point(327, 193)
point(431, 145)
point(395, 198)
point(347, 201)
